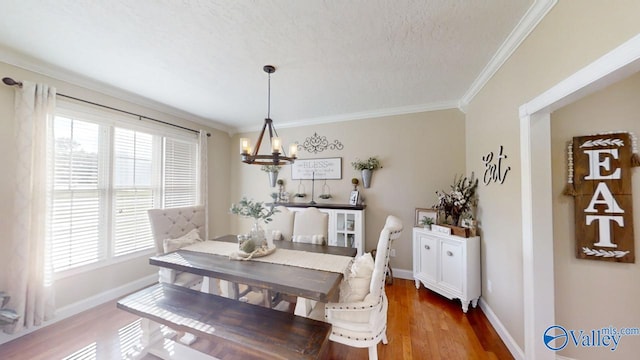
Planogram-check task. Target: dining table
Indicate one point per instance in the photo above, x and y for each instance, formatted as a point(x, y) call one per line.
point(270, 278)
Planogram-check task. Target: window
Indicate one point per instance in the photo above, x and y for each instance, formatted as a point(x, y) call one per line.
point(105, 173)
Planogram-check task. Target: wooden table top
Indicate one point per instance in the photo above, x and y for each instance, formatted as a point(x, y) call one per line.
point(312, 284)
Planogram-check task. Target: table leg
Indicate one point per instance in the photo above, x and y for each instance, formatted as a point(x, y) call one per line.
point(266, 298)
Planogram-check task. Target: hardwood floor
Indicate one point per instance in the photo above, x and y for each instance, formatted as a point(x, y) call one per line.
point(421, 325)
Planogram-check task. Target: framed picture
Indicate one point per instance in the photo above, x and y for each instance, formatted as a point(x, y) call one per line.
point(350, 224)
point(428, 213)
point(318, 169)
point(353, 199)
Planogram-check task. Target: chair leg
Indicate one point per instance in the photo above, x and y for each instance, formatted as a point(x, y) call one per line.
point(384, 338)
point(373, 352)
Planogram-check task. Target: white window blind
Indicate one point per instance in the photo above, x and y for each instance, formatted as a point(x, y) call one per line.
point(180, 173)
point(104, 176)
point(77, 199)
point(132, 193)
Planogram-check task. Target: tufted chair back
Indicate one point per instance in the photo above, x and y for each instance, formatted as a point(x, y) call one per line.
point(310, 222)
point(175, 222)
point(282, 221)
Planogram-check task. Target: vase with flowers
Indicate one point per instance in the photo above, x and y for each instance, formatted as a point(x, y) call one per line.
point(460, 200)
point(367, 167)
point(258, 212)
point(273, 171)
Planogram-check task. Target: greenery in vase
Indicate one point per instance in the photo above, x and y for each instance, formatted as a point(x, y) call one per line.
point(371, 163)
point(460, 200)
point(270, 168)
point(253, 209)
point(426, 221)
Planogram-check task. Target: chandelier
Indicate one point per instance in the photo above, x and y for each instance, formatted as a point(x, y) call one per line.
point(277, 156)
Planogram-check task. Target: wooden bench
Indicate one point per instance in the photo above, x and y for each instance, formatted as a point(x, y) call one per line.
point(276, 334)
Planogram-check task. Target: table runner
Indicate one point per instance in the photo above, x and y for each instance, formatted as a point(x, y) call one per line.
point(304, 259)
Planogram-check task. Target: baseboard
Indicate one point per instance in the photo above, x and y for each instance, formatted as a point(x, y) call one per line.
point(402, 274)
point(86, 304)
point(509, 341)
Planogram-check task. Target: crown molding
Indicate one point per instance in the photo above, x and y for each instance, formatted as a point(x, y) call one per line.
point(444, 105)
point(525, 26)
point(28, 63)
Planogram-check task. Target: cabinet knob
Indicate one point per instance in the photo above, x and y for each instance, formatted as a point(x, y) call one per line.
point(449, 253)
point(427, 247)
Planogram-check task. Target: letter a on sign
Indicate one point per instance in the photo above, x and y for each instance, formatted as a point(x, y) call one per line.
point(603, 201)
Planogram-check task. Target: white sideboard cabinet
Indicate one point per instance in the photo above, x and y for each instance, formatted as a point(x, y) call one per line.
point(346, 223)
point(448, 265)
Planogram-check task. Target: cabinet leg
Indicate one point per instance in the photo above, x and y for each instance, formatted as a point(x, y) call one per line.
point(474, 302)
point(418, 284)
point(465, 305)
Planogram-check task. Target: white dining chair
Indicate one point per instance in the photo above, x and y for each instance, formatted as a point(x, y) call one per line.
point(281, 223)
point(173, 228)
point(311, 226)
point(364, 323)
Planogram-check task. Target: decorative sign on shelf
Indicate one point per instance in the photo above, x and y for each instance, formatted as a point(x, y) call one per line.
point(316, 143)
point(493, 168)
point(318, 169)
point(599, 178)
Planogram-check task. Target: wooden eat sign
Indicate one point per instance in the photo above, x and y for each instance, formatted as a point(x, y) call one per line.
point(603, 201)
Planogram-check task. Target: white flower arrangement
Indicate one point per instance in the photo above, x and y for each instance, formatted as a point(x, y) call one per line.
point(460, 200)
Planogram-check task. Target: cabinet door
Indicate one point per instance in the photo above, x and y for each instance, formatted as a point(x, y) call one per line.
point(451, 258)
point(428, 258)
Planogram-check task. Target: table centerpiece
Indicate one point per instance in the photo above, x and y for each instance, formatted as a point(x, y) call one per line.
point(255, 240)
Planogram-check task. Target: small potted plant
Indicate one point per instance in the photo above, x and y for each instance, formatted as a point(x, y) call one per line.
point(272, 170)
point(426, 222)
point(367, 167)
point(355, 183)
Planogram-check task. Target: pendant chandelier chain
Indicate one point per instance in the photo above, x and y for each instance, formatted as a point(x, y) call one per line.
point(278, 155)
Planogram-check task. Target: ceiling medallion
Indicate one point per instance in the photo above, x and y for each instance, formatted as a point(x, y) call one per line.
point(277, 156)
point(317, 143)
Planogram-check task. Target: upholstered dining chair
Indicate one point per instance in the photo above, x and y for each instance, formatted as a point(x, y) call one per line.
point(172, 229)
point(364, 323)
point(311, 226)
point(282, 223)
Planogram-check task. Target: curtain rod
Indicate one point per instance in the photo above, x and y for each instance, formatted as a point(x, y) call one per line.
point(10, 82)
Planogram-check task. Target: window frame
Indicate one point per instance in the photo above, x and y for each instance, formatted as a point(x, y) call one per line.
point(108, 120)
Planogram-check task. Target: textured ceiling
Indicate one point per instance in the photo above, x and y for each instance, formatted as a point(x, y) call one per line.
point(333, 57)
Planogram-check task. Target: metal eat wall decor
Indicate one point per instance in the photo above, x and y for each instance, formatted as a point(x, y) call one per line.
point(599, 179)
point(317, 143)
point(493, 168)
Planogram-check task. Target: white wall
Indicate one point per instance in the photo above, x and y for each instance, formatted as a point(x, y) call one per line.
point(571, 36)
point(606, 291)
point(420, 153)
